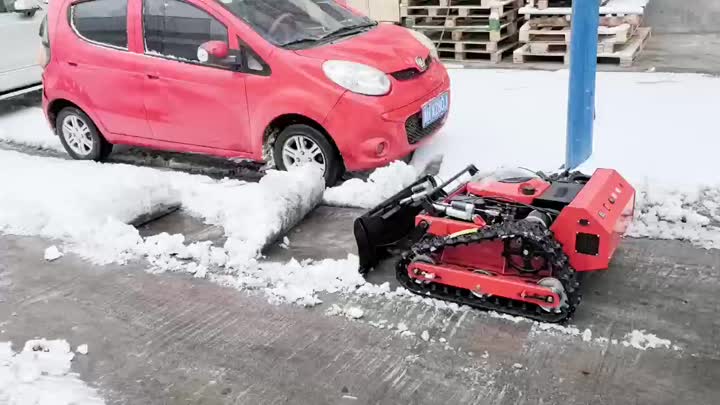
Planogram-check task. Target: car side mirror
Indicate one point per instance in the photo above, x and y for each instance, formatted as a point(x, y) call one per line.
point(27, 7)
point(213, 52)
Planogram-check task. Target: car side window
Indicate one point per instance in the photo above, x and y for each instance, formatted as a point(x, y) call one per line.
point(176, 29)
point(101, 21)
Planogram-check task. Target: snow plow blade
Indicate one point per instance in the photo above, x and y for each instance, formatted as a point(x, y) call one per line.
point(393, 221)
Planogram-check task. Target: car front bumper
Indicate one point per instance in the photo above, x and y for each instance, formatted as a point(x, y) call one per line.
point(369, 135)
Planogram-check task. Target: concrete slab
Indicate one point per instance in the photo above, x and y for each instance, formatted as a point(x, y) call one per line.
point(161, 339)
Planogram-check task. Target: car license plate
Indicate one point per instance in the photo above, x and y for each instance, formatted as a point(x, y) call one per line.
point(435, 109)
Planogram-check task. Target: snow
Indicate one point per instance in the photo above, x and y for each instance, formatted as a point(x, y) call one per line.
point(91, 213)
point(29, 127)
point(382, 184)
point(661, 146)
point(349, 312)
point(517, 366)
point(82, 349)
point(40, 375)
point(52, 253)
point(425, 335)
point(587, 335)
point(639, 339)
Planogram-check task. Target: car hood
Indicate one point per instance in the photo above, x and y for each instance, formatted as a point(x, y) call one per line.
point(387, 47)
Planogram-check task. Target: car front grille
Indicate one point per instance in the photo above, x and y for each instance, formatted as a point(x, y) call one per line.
point(415, 131)
point(411, 73)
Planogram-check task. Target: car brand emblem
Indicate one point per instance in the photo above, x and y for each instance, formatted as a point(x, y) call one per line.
point(421, 63)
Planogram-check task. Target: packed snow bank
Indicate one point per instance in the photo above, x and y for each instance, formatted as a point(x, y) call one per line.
point(382, 184)
point(40, 375)
point(656, 129)
point(29, 127)
point(89, 205)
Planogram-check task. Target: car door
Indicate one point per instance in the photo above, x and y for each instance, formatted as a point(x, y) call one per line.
point(189, 102)
point(20, 43)
point(106, 78)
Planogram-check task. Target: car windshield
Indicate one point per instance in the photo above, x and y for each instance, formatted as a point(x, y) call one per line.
point(291, 22)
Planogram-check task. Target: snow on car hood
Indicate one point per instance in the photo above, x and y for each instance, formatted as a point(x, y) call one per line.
point(387, 47)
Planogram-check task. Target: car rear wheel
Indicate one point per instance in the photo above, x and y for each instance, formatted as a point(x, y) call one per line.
point(301, 144)
point(80, 137)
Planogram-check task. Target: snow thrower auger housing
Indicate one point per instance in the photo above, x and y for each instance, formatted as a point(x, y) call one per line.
point(512, 241)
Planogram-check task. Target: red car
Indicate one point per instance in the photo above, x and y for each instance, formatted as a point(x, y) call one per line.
point(284, 82)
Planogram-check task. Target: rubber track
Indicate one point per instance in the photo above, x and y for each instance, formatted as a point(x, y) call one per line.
point(540, 236)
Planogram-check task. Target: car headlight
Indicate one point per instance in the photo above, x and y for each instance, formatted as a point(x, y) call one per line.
point(423, 39)
point(358, 78)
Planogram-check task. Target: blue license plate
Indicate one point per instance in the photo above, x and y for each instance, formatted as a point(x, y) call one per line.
point(435, 109)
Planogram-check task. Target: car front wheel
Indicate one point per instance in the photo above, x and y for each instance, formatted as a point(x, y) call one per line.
point(301, 144)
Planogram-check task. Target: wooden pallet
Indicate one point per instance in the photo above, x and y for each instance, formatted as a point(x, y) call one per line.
point(624, 56)
point(474, 3)
point(494, 31)
point(544, 4)
point(452, 36)
point(475, 46)
point(492, 20)
point(473, 55)
point(455, 9)
point(618, 35)
point(564, 21)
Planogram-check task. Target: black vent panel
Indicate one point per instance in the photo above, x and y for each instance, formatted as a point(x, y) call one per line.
point(415, 131)
point(412, 73)
point(587, 244)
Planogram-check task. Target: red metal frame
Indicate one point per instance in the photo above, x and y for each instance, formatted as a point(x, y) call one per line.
point(604, 207)
point(512, 287)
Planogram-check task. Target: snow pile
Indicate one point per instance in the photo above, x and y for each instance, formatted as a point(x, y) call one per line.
point(29, 127)
point(40, 375)
point(382, 184)
point(52, 253)
point(91, 212)
point(691, 215)
point(643, 341)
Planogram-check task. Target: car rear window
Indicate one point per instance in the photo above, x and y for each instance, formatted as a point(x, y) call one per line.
point(102, 21)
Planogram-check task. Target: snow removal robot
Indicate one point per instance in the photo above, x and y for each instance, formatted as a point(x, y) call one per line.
point(513, 241)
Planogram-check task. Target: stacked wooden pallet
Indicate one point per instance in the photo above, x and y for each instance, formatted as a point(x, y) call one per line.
point(546, 33)
point(466, 30)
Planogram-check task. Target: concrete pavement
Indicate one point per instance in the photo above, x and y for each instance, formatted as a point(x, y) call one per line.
point(170, 339)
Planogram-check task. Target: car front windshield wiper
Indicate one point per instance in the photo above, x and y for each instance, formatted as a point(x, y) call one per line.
point(349, 30)
point(299, 41)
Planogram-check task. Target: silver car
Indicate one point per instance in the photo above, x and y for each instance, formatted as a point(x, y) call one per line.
point(20, 71)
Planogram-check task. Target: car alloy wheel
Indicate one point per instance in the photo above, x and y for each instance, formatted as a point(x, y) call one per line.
point(77, 135)
point(299, 150)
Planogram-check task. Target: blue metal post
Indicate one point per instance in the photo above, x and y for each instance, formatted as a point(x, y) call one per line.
point(583, 68)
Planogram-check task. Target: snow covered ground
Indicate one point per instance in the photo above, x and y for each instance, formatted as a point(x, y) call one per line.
point(40, 375)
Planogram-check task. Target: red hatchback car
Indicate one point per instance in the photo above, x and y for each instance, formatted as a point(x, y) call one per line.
point(284, 82)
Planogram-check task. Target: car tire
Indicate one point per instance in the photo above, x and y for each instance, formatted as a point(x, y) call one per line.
point(308, 136)
point(80, 137)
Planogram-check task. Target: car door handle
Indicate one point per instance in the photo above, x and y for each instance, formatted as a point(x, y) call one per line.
point(153, 77)
point(73, 64)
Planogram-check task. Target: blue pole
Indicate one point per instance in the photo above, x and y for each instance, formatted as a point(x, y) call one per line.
point(581, 95)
